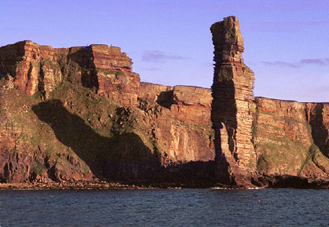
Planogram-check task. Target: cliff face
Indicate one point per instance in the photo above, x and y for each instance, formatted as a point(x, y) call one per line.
point(318, 117)
point(286, 140)
point(114, 74)
point(81, 113)
point(32, 67)
point(106, 70)
point(55, 127)
point(183, 130)
point(261, 141)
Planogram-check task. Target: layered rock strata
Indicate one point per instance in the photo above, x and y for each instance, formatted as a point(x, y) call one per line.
point(262, 141)
point(184, 121)
point(33, 67)
point(81, 114)
point(290, 139)
point(78, 113)
point(233, 105)
point(104, 69)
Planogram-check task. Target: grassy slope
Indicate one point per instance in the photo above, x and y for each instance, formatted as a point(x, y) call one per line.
point(74, 127)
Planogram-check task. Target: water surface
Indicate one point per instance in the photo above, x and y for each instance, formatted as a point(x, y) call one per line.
point(184, 207)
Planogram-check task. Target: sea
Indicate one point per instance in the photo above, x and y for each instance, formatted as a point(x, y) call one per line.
point(165, 207)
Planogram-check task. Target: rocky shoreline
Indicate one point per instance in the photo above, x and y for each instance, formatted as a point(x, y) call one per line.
point(69, 186)
point(96, 184)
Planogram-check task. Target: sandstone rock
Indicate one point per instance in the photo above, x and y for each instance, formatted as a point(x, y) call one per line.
point(114, 74)
point(183, 131)
point(181, 143)
point(148, 133)
point(110, 57)
point(286, 116)
point(24, 61)
point(192, 105)
point(318, 118)
point(106, 70)
point(233, 106)
point(281, 136)
point(287, 136)
point(261, 137)
point(179, 139)
point(161, 94)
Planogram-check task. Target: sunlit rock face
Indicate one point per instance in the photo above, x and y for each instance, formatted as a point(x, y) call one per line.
point(33, 67)
point(291, 139)
point(81, 113)
point(182, 126)
point(233, 105)
point(261, 141)
point(105, 69)
point(114, 74)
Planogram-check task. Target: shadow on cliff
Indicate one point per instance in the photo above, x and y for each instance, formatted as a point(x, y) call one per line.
point(165, 99)
point(80, 69)
point(319, 131)
point(223, 117)
point(123, 157)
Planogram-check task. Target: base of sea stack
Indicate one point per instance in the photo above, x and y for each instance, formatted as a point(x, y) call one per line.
point(287, 181)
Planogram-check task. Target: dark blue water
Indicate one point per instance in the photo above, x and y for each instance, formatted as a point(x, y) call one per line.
point(185, 207)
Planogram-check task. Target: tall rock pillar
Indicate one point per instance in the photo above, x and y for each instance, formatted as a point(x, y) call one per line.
point(233, 105)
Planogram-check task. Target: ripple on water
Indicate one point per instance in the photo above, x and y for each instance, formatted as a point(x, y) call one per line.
point(185, 207)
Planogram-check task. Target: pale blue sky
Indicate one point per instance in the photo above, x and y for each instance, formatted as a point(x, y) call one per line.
point(286, 41)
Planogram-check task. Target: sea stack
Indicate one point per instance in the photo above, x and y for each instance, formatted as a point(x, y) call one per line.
point(233, 106)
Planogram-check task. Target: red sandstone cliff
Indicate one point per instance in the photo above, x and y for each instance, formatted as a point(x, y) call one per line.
point(262, 141)
point(104, 69)
point(32, 67)
point(290, 138)
point(183, 131)
point(62, 131)
point(81, 113)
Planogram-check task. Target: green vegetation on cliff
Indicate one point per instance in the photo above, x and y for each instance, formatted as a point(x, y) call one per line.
point(283, 150)
point(76, 134)
point(74, 131)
